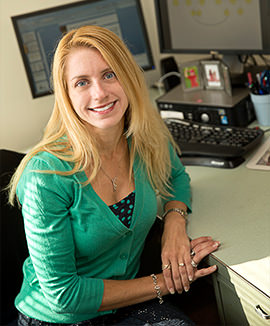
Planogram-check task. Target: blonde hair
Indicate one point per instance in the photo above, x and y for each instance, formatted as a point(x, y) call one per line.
point(66, 136)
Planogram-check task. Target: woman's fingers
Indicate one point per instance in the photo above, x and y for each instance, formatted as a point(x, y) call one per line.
point(203, 251)
point(176, 250)
point(205, 271)
point(178, 276)
point(167, 273)
point(205, 242)
point(181, 272)
point(182, 265)
point(187, 269)
point(190, 270)
point(198, 242)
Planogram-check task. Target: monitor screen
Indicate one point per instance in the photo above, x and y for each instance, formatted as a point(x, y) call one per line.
point(39, 32)
point(227, 27)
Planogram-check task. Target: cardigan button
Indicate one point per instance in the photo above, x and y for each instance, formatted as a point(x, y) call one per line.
point(123, 256)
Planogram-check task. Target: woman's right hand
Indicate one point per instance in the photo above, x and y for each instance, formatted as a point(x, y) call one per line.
point(202, 247)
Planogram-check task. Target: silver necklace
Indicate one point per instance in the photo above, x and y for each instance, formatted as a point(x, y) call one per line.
point(113, 180)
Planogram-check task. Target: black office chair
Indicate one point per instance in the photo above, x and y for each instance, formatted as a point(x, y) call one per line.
point(13, 248)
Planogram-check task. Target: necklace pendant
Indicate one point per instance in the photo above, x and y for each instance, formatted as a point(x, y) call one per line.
point(114, 184)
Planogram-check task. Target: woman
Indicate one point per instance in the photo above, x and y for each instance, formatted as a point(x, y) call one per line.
point(88, 194)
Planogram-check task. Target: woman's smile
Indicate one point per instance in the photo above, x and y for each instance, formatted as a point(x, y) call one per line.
point(103, 109)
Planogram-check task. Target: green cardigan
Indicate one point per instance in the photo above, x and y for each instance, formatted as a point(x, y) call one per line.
point(75, 241)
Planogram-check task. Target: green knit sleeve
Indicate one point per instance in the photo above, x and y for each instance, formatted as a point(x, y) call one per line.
point(45, 200)
point(179, 180)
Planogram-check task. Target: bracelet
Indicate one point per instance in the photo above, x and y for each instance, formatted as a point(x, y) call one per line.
point(157, 288)
point(183, 213)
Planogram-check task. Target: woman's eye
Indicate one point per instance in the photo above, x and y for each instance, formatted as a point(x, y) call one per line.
point(109, 75)
point(81, 83)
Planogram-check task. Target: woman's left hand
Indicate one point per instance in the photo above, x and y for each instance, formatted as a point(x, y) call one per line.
point(175, 254)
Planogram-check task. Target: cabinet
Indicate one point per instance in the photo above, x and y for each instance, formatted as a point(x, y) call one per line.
point(239, 302)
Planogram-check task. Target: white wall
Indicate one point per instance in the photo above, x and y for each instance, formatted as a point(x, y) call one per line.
point(22, 118)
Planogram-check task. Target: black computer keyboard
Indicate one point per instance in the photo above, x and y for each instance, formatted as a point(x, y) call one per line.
point(212, 145)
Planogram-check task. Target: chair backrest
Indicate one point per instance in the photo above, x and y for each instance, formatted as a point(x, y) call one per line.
point(13, 248)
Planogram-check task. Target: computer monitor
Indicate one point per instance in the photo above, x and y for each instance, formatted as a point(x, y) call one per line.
point(226, 27)
point(38, 33)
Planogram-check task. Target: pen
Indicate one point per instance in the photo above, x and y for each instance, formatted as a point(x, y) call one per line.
point(265, 81)
point(254, 87)
point(262, 84)
point(250, 80)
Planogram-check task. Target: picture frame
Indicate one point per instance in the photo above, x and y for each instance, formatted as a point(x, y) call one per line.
point(226, 79)
point(213, 74)
point(191, 76)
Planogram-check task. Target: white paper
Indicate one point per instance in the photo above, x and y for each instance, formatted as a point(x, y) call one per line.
point(261, 159)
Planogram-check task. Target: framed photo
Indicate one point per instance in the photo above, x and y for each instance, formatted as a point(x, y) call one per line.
point(212, 74)
point(191, 76)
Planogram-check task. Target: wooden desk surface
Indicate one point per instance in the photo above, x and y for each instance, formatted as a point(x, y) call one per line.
point(233, 206)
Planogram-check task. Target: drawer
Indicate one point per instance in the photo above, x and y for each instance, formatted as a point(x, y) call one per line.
point(239, 302)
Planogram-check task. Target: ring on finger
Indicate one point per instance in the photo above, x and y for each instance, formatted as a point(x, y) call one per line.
point(192, 253)
point(181, 264)
point(193, 263)
point(167, 266)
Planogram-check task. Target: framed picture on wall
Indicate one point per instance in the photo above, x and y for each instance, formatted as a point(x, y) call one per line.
point(191, 76)
point(212, 74)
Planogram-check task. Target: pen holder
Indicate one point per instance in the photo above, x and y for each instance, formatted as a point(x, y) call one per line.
point(262, 108)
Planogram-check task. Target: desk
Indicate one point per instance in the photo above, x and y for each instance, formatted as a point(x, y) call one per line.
point(233, 206)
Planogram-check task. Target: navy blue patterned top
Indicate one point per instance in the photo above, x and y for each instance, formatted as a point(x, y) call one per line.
point(124, 209)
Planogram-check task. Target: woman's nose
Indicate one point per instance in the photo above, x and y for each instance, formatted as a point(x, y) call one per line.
point(98, 90)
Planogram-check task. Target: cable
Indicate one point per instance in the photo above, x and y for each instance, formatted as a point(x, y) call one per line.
point(243, 60)
point(159, 83)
